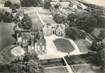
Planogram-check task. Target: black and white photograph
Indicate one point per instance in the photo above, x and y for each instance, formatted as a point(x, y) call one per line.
point(52, 36)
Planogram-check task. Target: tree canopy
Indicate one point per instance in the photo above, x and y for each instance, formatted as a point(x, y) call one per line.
point(26, 22)
point(74, 33)
point(28, 3)
point(59, 18)
point(83, 20)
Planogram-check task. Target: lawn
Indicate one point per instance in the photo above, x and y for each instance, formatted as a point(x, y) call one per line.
point(6, 31)
point(6, 41)
point(64, 45)
point(35, 20)
point(83, 45)
point(56, 70)
point(47, 18)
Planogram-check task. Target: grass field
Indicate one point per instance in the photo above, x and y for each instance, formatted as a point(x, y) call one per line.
point(83, 45)
point(6, 41)
point(47, 18)
point(6, 31)
point(64, 45)
point(56, 70)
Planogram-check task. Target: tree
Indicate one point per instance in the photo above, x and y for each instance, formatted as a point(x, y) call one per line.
point(57, 6)
point(96, 45)
point(26, 22)
point(71, 19)
point(6, 17)
point(26, 64)
point(101, 36)
point(99, 47)
point(15, 6)
point(28, 3)
point(101, 54)
point(7, 4)
point(47, 4)
point(99, 57)
point(59, 18)
point(100, 21)
point(83, 20)
point(1, 16)
point(86, 22)
point(74, 33)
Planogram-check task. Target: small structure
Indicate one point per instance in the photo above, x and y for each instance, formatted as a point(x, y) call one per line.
point(60, 30)
point(47, 30)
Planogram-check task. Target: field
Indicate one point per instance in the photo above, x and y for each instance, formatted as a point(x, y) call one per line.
point(6, 42)
point(64, 45)
point(6, 31)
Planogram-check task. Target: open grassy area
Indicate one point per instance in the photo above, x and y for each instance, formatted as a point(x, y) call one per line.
point(56, 70)
point(64, 45)
point(83, 45)
point(6, 31)
point(36, 22)
point(31, 11)
point(47, 18)
point(6, 41)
